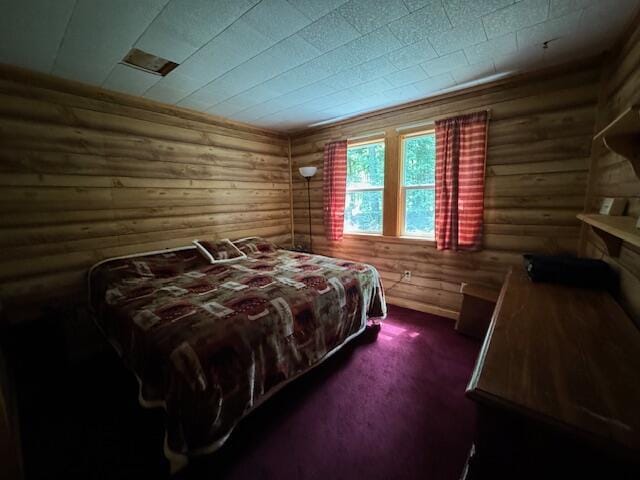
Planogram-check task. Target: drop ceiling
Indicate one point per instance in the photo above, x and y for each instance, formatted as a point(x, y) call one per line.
point(288, 64)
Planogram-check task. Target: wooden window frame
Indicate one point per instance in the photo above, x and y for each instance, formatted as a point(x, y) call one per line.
point(358, 143)
point(402, 193)
point(392, 215)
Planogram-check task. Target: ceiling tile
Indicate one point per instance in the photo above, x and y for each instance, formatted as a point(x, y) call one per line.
point(177, 80)
point(185, 25)
point(421, 24)
point(280, 63)
point(368, 15)
point(445, 63)
point(549, 30)
point(329, 32)
point(284, 117)
point(374, 86)
point(519, 15)
point(372, 45)
point(434, 84)
point(342, 96)
point(582, 43)
point(310, 92)
point(375, 68)
point(462, 36)
point(414, 5)
point(130, 80)
point(299, 97)
point(518, 61)
point(31, 32)
point(408, 75)
point(259, 69)
point(559, 8)
point(601, 19)
point(100, 34)
point(502, 45)
point(264, 66)
point(292, 52)
point(266, 108)
point(333, 62)
point(247, 116)
point(356, 52)
point(260, 93)
point(235, 45)
point(462, 11)
point(473, 72)
point(402, 94)
point(412, 54)
point(166, 94)
point(233, 105)
point(197, 102)
point(317, 104)
point(276, 19)
point(315, 9)
point(224, 109)
point(598, 29)
point(295, 78)
point(208, 96)
point(350, 107)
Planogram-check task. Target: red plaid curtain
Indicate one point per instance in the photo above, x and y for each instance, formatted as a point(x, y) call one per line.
point(335, 188)
point(461, 145)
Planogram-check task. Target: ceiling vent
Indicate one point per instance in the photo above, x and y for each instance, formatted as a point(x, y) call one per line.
point(148, 62)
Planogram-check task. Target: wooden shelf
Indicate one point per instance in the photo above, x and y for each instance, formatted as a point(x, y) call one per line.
point(622, 136)
point(613, 230)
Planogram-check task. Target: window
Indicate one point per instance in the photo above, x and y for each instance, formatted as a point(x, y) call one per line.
point(365, 187)
point(417, 186)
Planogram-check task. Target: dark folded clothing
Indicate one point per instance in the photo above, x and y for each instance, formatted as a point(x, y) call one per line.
point(568, 270)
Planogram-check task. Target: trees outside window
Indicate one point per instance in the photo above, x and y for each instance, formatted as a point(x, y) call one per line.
point(418, 184)
point(365, 188)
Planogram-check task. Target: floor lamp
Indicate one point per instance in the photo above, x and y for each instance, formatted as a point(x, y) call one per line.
point(307, 173)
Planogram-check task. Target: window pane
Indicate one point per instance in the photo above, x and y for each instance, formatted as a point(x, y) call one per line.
point(363, 212)
point(365, 166)
point(419, 162)
point(419, 212)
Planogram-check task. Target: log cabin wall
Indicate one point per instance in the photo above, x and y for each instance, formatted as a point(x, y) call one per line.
point(538, 156)
point(87, 174)
point(611, 175)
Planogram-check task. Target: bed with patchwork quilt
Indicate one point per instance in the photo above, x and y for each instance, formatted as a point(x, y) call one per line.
point(210, 341)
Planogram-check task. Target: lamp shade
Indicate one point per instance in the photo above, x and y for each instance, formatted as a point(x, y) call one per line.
point(308, 171)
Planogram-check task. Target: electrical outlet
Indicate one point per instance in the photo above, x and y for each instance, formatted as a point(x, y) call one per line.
point(406, 275)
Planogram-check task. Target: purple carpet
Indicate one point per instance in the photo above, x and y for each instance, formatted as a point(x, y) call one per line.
point(393, 408)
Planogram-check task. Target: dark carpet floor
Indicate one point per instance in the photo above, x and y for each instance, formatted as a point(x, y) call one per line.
point(385, 408)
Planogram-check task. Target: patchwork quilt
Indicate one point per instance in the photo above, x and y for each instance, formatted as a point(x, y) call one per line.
point(210, 342)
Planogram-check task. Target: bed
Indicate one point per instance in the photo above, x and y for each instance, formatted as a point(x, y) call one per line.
point(210, 342)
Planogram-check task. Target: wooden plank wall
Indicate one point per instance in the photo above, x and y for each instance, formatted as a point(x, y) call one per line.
point(611, 175)
point(539, 148)
point(87, 174)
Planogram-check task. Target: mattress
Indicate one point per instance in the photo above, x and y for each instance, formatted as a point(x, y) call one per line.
point(210, 342)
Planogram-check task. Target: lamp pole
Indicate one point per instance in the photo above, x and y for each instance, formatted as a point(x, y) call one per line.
point(308, 179)
point(307, 173)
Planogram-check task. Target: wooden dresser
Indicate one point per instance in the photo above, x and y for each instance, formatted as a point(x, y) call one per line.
point(557, 385)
